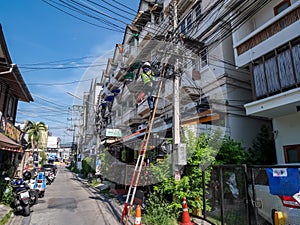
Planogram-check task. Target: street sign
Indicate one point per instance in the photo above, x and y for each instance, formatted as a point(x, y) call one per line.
point(177, 176)
point(113, 133)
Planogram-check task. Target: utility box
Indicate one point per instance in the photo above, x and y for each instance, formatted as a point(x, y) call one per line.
point(181, 154)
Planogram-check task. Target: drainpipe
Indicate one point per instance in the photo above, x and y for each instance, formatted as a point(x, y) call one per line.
point(6, 91)
point(9, 71)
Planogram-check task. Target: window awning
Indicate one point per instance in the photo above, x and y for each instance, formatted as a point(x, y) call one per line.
point(9, 145)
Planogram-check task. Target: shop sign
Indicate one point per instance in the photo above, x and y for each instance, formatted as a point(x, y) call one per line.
point(113, 133)
point(12, 132)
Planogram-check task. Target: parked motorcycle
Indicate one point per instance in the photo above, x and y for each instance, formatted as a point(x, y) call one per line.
point(29, 179)
point(40, 183)
point(21, 200)
point(50, 176)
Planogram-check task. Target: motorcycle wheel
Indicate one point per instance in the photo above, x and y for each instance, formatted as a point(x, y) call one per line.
point(36, 200)
point(27, 210)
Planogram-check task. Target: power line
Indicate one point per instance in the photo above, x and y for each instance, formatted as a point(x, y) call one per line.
point(58, 84)
point(60, 60)
point(125, 6)
point(83, 20)
point(94, 3)
point(118, 8)
point(93, 10)
point(60, 67)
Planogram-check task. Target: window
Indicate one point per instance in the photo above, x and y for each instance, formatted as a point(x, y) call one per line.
point(203, 58)
point(182, 27)
point(189, 22)
point(10, 108)
point(281, 6)
point(198, 10)
point(292, 153)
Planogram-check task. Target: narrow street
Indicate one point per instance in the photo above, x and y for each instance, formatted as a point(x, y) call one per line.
point(69, 201)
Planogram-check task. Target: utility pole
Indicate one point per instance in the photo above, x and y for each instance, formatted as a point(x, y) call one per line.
point(179, 154)
point(176, 128)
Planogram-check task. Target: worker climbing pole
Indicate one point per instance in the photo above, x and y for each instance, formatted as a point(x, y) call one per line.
point(142, 153)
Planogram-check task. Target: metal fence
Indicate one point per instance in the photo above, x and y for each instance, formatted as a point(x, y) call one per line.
point(241, 195)
point(225, 197)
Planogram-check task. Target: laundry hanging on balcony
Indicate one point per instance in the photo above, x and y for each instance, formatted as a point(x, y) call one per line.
point(116, 91)
point(129, 76)
point(109, 98)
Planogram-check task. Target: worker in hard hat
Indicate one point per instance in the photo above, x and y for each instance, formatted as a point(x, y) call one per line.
point(149, 84)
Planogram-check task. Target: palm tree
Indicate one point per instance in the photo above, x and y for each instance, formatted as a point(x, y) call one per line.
point(34, 131)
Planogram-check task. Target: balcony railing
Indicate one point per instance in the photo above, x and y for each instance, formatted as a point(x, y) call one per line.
point(114, 83)
point(128, 114)
point(270, 31)
point(131, 54)
point(281, 72)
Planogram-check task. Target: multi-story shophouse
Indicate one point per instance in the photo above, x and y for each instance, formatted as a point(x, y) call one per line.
point(12, 89)
point(268, 45)
point(53, 147)
point(194, 39)
point(87, 138)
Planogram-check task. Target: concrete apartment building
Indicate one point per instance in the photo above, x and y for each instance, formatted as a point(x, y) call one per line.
point(238, 65)
point(269, 45)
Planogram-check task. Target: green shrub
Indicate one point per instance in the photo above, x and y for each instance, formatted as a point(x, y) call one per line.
point(6, 218)
point(95, 182)
point(88, 166)
point(6, 195)
point(263, 151)
point(158, 212)
point(207, 149)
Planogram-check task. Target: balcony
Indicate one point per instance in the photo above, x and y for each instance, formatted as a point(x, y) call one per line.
point(276, 32)
point(114, 83)
point(105, 92)
point(118, 121)
point(277, 72)
point(143, 108)
point(136, 86)
point(191, 92)
point(276, 106)
point(131, 54)
point(111, 66)
point(130, 117)
point(183, 5)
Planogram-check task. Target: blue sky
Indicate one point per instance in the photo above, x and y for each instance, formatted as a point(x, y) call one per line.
point(53, 50)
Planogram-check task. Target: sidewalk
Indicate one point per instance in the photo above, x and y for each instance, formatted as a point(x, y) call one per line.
point(4, 210)
point(119, 208)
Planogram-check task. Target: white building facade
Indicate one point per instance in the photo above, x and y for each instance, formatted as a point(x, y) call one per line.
point(268, 45)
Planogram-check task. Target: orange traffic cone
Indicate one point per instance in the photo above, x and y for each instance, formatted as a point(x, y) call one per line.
point(138, 216)
point(185, 214)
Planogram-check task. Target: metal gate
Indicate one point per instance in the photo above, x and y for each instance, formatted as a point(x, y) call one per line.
point(241, 195)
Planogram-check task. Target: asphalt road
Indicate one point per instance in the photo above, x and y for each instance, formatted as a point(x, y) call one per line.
point(69, 201)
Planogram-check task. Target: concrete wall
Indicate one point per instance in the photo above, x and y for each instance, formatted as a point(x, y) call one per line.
point(287, 128)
